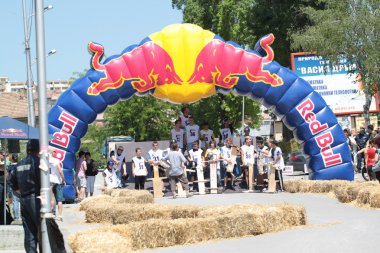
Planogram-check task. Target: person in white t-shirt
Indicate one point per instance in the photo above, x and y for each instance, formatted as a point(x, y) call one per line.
point(206, 135)
point(195, 156)
point(55, 166)
point(154, 156)
point(192, 133)
point(226, 131)
point(109, 176)
point(279, 163)
point(139, 170)
point(226, 151)
point(185, 116)
point(247, 157)
point(213, 154)
point(177, 133)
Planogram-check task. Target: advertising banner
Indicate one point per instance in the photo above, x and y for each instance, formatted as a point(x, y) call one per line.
point(339, 85)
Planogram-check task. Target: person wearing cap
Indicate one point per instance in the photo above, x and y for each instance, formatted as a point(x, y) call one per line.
point(226, 131)
point(109, 176)
point(25, 180)
point(192, 133)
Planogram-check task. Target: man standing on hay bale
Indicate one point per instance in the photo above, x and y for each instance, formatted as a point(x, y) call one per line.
point(176, 170)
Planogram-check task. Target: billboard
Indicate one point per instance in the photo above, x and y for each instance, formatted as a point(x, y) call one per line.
point(335, 83)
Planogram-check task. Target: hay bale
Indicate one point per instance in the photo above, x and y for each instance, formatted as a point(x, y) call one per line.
point(124, 214)
point(375, 199)
point(89, 202)
point(294, 186)
point(245, 220)
point(347, 192)
point(98, 241)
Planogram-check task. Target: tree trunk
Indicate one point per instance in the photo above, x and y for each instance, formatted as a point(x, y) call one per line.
point(367, 104)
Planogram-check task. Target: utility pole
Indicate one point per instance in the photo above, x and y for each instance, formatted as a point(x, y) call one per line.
point(42, 112)
point(29, 81)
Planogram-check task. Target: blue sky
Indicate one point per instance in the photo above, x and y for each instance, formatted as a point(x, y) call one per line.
point(71, 24)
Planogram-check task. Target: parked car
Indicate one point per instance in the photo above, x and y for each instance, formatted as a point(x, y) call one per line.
point(297, 159)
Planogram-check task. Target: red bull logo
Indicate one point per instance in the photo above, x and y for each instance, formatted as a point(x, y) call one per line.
point(146, 66)
point(12, 132)
point(222, 64)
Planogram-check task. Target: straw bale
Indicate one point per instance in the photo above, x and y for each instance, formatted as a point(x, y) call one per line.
point(294, 186)
point(98, 241)
point(88, 202)
point(375, 199)
point(124, 214)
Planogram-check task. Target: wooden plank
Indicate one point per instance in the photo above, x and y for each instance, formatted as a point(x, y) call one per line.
point(213, 178)
point(272, 179)
point(201, 180)
point(158, 184)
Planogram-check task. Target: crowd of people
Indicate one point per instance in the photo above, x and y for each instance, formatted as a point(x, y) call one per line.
point(365, 149)
point(193, 147)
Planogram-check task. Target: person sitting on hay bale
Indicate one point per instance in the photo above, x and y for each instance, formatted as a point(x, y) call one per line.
point(109, 176)
point(176, 170)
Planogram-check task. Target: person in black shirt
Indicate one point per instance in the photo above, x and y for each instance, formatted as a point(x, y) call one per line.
point(361, 140)
point(26, 181)
point(91, 172)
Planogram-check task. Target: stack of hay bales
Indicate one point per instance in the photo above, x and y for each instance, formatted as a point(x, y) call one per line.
point(209, 223)
point(358, 193)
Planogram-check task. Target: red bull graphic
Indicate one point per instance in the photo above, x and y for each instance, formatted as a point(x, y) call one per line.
point(183, 63)
point(146, 66)
point(212, 67)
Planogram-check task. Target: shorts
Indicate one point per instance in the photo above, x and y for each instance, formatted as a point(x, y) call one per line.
point(82, 182)
point(58, 193)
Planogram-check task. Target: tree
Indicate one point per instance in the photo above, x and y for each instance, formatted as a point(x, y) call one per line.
point(145, 118)
point(352, 27)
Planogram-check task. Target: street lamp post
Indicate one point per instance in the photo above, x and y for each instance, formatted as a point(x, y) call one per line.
point(44, 171)
point(29, 85)
point(29, 81)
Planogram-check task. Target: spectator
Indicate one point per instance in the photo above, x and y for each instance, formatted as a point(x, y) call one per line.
point(139, 170)
point(361, 140)
point(206, 135)
point(351, 144)
point(185, 116)
point(15, 195)
point(246, 133)
point(118, 158)
point(279, 163)
point(226, 131)
point(26, 181)
point(192, 133)
point(109, 176)
point(177, 133)
point(91, 173)
point(81, 176)
point(176, 170)
point(57, 179)
point(214, 154)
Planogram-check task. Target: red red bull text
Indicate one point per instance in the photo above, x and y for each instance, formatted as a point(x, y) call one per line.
point(62, 138)
point(325, 140)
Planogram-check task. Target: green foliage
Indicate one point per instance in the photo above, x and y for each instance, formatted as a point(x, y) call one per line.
point(215, 108)
point(93, 141)
point(245, 21)
point(144, 118)
point(350, 26)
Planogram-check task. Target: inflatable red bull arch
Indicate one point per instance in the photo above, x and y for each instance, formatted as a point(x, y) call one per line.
point(184, 63)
